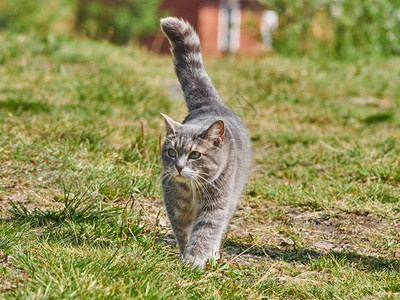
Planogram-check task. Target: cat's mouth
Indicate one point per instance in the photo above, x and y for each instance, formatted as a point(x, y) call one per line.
point(181, 177)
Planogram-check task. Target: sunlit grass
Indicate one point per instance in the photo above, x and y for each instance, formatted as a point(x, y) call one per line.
point(79, 152)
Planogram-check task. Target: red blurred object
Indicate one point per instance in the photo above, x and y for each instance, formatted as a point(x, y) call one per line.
point(224, 26)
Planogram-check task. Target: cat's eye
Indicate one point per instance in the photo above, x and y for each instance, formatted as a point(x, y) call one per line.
point(171, 152)
point(194, 155)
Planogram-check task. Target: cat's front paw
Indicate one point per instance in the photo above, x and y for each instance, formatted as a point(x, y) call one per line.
point(200, 261)
point(215, 254)
point(195, 261)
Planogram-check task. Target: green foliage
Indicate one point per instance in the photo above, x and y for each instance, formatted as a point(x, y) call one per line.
point(342, 29)
point(118, 21)
point(39, 16)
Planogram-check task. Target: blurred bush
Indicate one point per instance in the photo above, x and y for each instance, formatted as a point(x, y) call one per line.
point(338, 28)
point(115, 20)
point(38, 16)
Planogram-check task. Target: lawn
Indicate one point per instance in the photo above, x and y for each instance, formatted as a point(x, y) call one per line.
point(81, 214)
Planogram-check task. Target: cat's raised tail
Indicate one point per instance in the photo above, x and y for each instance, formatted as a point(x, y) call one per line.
point(189, 67)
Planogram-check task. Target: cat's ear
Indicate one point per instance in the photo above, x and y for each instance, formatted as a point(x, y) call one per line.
point(215, 133)
point(170, 125)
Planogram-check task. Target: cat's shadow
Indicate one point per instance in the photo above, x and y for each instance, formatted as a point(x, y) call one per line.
point(234, 251)
point(306, 256)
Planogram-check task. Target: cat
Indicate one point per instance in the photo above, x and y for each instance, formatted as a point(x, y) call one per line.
point(206, 158)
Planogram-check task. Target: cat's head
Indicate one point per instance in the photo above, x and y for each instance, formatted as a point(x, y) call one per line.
point(193, 152)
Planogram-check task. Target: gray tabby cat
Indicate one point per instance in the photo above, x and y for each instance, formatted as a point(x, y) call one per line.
point(206, 159)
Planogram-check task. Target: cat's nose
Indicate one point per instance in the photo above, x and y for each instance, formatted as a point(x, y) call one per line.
point(179, 169)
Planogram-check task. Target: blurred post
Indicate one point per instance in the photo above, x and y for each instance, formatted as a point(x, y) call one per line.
point(269, 23)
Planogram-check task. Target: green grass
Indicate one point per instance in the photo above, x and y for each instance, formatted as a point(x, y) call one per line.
point(80, 201)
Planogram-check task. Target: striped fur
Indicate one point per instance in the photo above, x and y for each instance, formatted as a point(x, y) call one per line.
point(201, 191)
point(189, 67)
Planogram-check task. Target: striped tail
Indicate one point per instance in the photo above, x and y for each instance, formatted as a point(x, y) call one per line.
point(189, 67)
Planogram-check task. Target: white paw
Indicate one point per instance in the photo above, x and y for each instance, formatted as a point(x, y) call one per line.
point(215, 254)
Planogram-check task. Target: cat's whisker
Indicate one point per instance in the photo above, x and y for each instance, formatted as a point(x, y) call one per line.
point(207, 181)
point(166, 179)
point(206, 174)
point(164, 176)
point(204, 190)
point(206, 193)
point(216, 183)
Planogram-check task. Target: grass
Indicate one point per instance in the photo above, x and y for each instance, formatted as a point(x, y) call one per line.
point(80, 200)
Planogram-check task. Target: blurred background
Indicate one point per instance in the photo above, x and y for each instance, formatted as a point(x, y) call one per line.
point(343, 29)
